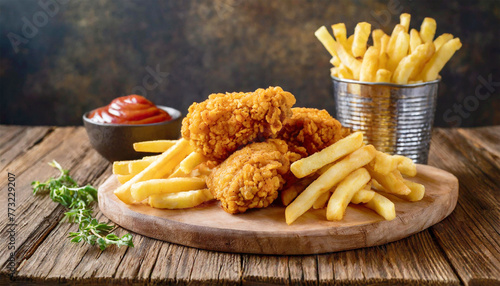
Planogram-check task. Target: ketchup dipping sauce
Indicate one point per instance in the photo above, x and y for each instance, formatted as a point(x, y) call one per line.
point(130, 109)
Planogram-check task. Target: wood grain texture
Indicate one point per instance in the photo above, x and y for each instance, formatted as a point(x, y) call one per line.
point(35, 216)
point(265, 232)
point(396, 262)
point(19, 142)
point(470, 238)
point(461, 250)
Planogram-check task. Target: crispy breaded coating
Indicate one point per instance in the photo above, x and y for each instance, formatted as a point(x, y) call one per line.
point(250, 177)
point(221, 124)
point(311, 130)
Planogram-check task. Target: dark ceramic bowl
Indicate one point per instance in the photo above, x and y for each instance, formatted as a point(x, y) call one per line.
point(115, 141)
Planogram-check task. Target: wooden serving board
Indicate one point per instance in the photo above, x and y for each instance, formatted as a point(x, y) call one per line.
point(264, 231)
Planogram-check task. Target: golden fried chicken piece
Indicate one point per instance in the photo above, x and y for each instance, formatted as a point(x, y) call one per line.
point(311, 130)
point(221, 124)
point(251, 177)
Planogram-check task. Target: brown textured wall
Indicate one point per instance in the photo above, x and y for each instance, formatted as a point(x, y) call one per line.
point(89, 52)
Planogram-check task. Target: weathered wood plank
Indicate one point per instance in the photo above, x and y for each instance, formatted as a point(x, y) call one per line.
point(36, 215)
point(414, 260)
point(185, 265)
point(470, 237)
point(39, 151)
point(303, 270)
point(56, 258)
point(9, 132)
point(230, 269)
point(167, 263)
point(488, 137)
point(484, 163)
point(265, 269)
point(215, 268)
point(138, 262)
point(20, 143)
point(326, 270)
point(486, 140)
point(98, 266)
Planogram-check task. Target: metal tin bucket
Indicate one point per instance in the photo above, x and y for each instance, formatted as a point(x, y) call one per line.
point(396, 119)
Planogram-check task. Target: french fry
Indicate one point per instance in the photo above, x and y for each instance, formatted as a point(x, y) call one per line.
point(143, 190)
point(348, 60)
point(121, 167)
point(415, 40)
point(339, 31)
point(383, 206)
point(406, 166)
point(344, 72)
point(191, 161)
point(404, 20)
point(334, 72)
point(136, 166)
point(383, 75)
point(439, 59)
point(417, 191)
point(325, 168)
point(291, 192)
point(335, 61)
point(326, 181)
point(390, 182)
point(326, 39)
point(441, 40)
point(377, 35)
point(124, 178)
point(188, 164)
point(361, 35)
point(344, 192)
point(392, 40)
point(377, 186)
point(160, 168)
point(399, 51)
point(384, 43)
point(180, 200)
point(369, 65)
point(362, 196)
point(321, 201)
point(384, 57)
point(314, 162)
point(384, 163)
point(368, 186)
point(156, 146)
point(348, 45)
point(429, 50)
point(407, 65)
point(428, 30)
point(132, 167)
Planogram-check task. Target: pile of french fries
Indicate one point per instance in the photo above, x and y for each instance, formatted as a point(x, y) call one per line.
point(350, 172)
point(171, 180)
point(346, 172)
point(404, 57)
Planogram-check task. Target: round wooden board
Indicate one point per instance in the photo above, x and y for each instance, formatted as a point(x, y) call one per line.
point(264, 231)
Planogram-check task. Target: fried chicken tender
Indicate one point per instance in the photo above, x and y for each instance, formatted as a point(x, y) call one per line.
point(311, 130)
point(251, 177)
point(223, 123)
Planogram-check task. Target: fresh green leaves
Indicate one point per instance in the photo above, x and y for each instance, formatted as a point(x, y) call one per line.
point(65, 190)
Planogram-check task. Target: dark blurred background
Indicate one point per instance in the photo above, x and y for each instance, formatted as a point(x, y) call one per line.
point(60, 58)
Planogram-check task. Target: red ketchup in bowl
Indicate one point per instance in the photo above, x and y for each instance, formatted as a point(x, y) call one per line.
point(131, 109)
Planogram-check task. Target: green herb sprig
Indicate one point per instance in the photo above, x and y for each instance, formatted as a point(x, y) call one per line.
point(65, 190)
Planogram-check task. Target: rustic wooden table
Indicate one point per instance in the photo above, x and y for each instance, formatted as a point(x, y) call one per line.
point(462, 249)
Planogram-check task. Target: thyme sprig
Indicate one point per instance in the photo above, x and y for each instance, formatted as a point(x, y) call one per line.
point(65, 190)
